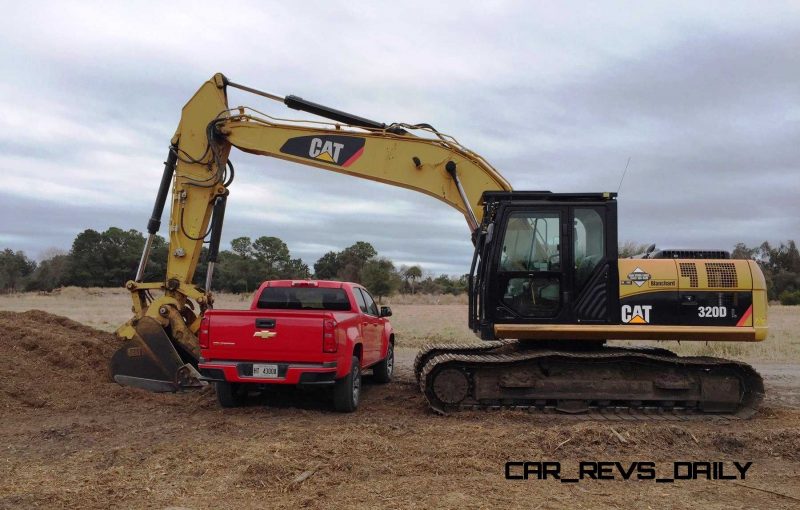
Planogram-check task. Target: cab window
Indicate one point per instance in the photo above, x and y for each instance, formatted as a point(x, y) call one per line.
point(303, 298)
point(531, 243)
point(533, 296)
point(362, 304)
point(589, 240)
point(372, 308)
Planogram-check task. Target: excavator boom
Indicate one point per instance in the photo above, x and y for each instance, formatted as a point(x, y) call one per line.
point(195, 181)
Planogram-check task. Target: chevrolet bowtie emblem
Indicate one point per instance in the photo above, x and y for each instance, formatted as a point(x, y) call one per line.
point(265, 334)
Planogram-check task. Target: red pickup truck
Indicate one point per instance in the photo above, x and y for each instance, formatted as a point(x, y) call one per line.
point(301, 332)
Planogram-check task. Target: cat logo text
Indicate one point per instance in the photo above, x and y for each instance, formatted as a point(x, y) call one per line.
point(636, 314)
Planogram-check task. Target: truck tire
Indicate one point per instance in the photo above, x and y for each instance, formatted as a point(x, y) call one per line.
point(347, 390)
point(229, 394)
point(382, 372)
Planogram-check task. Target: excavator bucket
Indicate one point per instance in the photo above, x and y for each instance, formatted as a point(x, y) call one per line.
point(152, 361)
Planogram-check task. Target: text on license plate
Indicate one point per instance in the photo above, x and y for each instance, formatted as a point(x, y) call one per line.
point(267, 371)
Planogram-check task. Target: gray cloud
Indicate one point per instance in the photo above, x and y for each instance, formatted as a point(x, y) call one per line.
point(703, 99)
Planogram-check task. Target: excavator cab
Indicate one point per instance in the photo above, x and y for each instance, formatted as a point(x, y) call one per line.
point(544, 258)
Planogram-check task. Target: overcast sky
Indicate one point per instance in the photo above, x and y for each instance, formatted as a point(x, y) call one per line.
point(703, 97)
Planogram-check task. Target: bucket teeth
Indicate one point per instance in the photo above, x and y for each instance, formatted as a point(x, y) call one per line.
point(150, 361)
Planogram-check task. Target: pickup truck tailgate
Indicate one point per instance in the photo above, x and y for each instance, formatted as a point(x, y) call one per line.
point(283, 335)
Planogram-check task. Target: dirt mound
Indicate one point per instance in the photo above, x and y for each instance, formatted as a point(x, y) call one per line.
point(51, 361)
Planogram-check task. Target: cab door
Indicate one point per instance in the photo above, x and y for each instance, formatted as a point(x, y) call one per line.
point(363, 325)
point(593, 262)
point(372, 326)
point(530, 279)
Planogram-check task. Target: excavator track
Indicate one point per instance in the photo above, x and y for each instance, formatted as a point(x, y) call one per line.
point(607, 382)
point(429, 351)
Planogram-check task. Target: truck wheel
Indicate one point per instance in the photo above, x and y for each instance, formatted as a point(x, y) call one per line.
point(382, 372)
point(347, 390)
point(229, 394)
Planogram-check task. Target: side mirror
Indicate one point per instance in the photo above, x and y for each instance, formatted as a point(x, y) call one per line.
point(386, 311)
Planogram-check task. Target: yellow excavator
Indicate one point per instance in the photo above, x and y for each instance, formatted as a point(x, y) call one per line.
point(546, 290)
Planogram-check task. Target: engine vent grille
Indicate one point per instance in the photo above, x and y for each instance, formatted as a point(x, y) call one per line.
point(721, 274)
point(689, 270)
point(690, 254)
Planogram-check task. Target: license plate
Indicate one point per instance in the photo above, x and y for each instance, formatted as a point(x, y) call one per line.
point(265, 371)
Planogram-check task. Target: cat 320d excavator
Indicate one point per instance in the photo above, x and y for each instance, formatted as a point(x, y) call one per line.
point(546, 287)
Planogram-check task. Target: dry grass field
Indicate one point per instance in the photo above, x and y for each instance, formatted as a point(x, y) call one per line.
point(418, 320)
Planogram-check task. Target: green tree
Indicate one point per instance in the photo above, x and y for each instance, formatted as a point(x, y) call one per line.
point(122, 251)
point(780, 265)
point(242, 246)
point(327, 267)
point(225, 273)
point(156, 269)
point(345, 265)
point(236, 272)
point(379, 276)
point(272, 256)
point(790, 298)
point(50, 273)
point(351, 261)
point(14, 268)
point(200, 272)
point(741, 251)
point(411, 275)
point(249, 263)
point(629, 248)
point(429, 286)
point(295, 269)
point(104, 259)
point(451, 285)
point(86, 263)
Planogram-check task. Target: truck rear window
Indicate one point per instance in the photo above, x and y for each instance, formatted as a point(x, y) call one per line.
point(303, 298)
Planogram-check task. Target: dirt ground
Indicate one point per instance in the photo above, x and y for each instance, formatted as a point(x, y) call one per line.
point(71, 438)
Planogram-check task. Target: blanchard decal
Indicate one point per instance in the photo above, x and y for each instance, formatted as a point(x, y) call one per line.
point(639, 276)
point(663, 283)
point(334, 149)
point(636, 314)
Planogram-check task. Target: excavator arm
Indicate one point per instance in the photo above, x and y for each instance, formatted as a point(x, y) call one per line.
point(161, 349)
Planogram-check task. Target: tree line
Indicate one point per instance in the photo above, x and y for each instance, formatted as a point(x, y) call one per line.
point(110, 258)
point(781, 267)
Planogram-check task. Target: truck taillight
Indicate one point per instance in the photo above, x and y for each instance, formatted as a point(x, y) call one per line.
point(329, 335)
point(205, 333)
